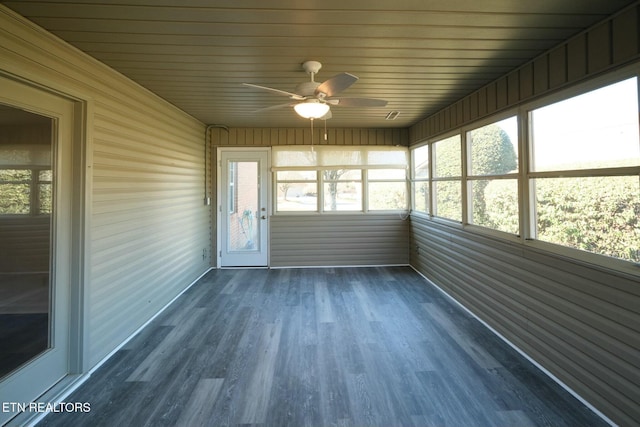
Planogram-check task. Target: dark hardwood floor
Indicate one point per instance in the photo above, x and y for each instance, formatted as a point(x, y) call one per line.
point(319, 347)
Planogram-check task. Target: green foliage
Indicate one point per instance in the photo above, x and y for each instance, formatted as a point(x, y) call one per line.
point(448, 163)
point(387, 196)
point(501, 197)
point(599, 215)
point(448, 197)
point(15, 191)
point(492, 153)
point(448, 157)
point(421, 197)
point(14, 199)
point(45, 198)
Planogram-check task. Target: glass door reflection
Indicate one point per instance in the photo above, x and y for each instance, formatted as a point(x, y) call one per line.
point(26, 194)
point(244, 215)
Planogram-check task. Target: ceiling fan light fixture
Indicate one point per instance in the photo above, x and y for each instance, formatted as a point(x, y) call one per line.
point(311, 109)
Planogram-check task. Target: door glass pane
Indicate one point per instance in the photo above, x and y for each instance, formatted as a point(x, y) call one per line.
point(243, 206)
point(26, 190)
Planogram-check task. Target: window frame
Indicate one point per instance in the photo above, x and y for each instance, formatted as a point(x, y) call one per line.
point(525, 177)
point(434, 179)
point(368, 180)
point(417, 180)
point(358, 182)
point(364, 166)
point(469, 178)
point(34, 183)
point(277, 182)
point(529, 176)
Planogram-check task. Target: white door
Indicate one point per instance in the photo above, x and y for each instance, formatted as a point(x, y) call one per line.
point(35, 241)
point(243, 208)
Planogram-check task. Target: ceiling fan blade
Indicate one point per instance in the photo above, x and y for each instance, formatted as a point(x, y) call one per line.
point(335, 85)
point(277, 91)
point(357, 102)
point(275, 107)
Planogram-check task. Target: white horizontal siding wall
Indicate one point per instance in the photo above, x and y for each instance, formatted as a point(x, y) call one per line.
point(332, 240)
point(149, 230)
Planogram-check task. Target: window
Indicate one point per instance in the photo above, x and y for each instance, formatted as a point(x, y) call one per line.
point(15, 189)
point(578, 185)
point(342, 189)
point(25, 179)
point(493, 176)
point(340, 178)
point(585, 172)
point(387, 189)
point(297, 191)
point(447, 178)
point(420, 179)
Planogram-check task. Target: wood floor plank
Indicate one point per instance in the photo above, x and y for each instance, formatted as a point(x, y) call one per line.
point(319, 347)
point(258, 390)
point(163, 353)
point(295, 383)
point(308, 319)
point(226, 343)
point(323, 303)
point(198, 410)
point(334, 396)
point(367, 305)
point(515, 418)
point(473, 348)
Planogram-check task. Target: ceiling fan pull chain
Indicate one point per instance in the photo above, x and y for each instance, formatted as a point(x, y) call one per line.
point(325, 130)
point(311, 135)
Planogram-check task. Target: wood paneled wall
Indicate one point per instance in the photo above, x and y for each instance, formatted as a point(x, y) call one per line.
point(608, 45)
point(579, 322)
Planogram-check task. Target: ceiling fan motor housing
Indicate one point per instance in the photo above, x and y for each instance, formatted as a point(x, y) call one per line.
point(306, 88)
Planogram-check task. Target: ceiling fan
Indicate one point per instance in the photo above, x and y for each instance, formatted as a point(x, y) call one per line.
point(313, 100)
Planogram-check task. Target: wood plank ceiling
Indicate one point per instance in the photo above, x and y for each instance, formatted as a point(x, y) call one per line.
point(420, 55)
